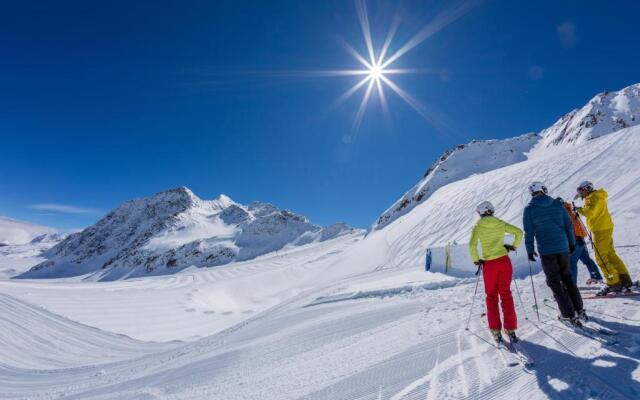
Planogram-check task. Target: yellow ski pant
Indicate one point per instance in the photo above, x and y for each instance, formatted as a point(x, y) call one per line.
point(613, 267)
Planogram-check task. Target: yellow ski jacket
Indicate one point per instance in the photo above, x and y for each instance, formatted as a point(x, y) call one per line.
point(596, 210)
point(490, 232)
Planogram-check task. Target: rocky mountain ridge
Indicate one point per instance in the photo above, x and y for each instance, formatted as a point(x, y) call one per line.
point(174, 230)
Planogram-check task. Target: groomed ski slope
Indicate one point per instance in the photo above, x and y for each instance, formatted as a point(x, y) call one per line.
point(351, 319)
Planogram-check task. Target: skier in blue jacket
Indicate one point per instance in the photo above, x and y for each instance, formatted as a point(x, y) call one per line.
point(547, 222)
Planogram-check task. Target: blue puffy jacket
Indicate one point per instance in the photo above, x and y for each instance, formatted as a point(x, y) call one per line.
point(548, 222)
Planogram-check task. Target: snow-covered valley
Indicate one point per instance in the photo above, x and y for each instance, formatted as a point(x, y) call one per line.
point(335, 316)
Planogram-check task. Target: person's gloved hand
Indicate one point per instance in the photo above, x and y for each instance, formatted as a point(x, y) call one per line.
point(479, 263)
point(532, 256)
point(509, 247)
point(580, 240)
point(572, 248)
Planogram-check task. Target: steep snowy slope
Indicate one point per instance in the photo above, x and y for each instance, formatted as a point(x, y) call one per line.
point(173, 230)
point(609, 161)
point(18, 232)
point(605, 113)
point(458, 163)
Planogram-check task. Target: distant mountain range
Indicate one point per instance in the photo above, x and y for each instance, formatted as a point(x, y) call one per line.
point(174, 230)
point(14, 232)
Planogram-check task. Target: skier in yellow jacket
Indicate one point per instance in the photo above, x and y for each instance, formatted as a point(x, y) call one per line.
point(497, 270)
point(600, 224)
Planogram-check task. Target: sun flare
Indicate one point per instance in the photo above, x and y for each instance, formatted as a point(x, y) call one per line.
point(376, 63)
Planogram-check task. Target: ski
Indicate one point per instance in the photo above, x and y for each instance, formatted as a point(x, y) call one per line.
point(588, 332)
point(618, 317)
point(512, 350)
point(611, 296)
point(503, 352)
point(523, 356)
point(590, 325)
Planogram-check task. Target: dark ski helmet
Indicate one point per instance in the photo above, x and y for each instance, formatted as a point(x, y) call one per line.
point(585, 185)
point(536, 187)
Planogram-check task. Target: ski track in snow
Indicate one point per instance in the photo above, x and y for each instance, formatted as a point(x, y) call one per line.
point(264, 329)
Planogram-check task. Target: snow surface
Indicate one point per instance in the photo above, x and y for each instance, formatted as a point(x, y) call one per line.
point(352, 317)
point(348, 318)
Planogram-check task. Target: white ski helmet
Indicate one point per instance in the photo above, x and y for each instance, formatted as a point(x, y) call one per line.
point(485, 207)
point(536, 187)
point(585, 185)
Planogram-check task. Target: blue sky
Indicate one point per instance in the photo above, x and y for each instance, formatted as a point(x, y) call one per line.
point(101, 102)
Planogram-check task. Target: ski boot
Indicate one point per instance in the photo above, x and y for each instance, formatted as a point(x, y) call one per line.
point(615, 289)
point(511, 333)
point(573, 321)
point(582, 315)
point(626, 283)
point(497, 336)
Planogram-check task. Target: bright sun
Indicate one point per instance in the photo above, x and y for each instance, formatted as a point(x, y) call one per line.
point(376, 72)
point(377, 66)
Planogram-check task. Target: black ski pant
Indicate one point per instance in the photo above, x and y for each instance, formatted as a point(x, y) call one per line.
point(565, 291)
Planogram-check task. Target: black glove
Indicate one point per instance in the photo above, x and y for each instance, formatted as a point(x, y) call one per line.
point(572, 248)
point(509, 247)
point(580, 240)
point(479, 265)
point(532, 256)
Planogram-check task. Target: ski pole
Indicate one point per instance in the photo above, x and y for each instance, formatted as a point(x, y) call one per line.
point(535, 299)
point(524, 309)
point(473, 301)
point(593, 246)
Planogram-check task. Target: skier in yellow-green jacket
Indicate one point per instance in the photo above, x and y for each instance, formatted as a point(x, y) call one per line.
point(600, 224)
point(497, 271)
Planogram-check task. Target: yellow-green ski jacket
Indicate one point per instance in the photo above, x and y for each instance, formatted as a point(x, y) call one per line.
point(490, 232)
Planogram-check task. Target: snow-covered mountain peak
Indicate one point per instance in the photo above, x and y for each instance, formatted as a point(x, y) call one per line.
point(175, 229)
point(458, 163)
point(223, 201)
point(605, 113)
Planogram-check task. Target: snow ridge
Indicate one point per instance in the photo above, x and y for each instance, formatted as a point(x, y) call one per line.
point(458, 163)
point(173, 230)
point(606, 113)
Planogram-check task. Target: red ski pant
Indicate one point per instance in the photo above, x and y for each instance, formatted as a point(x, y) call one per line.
point(497, 285)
